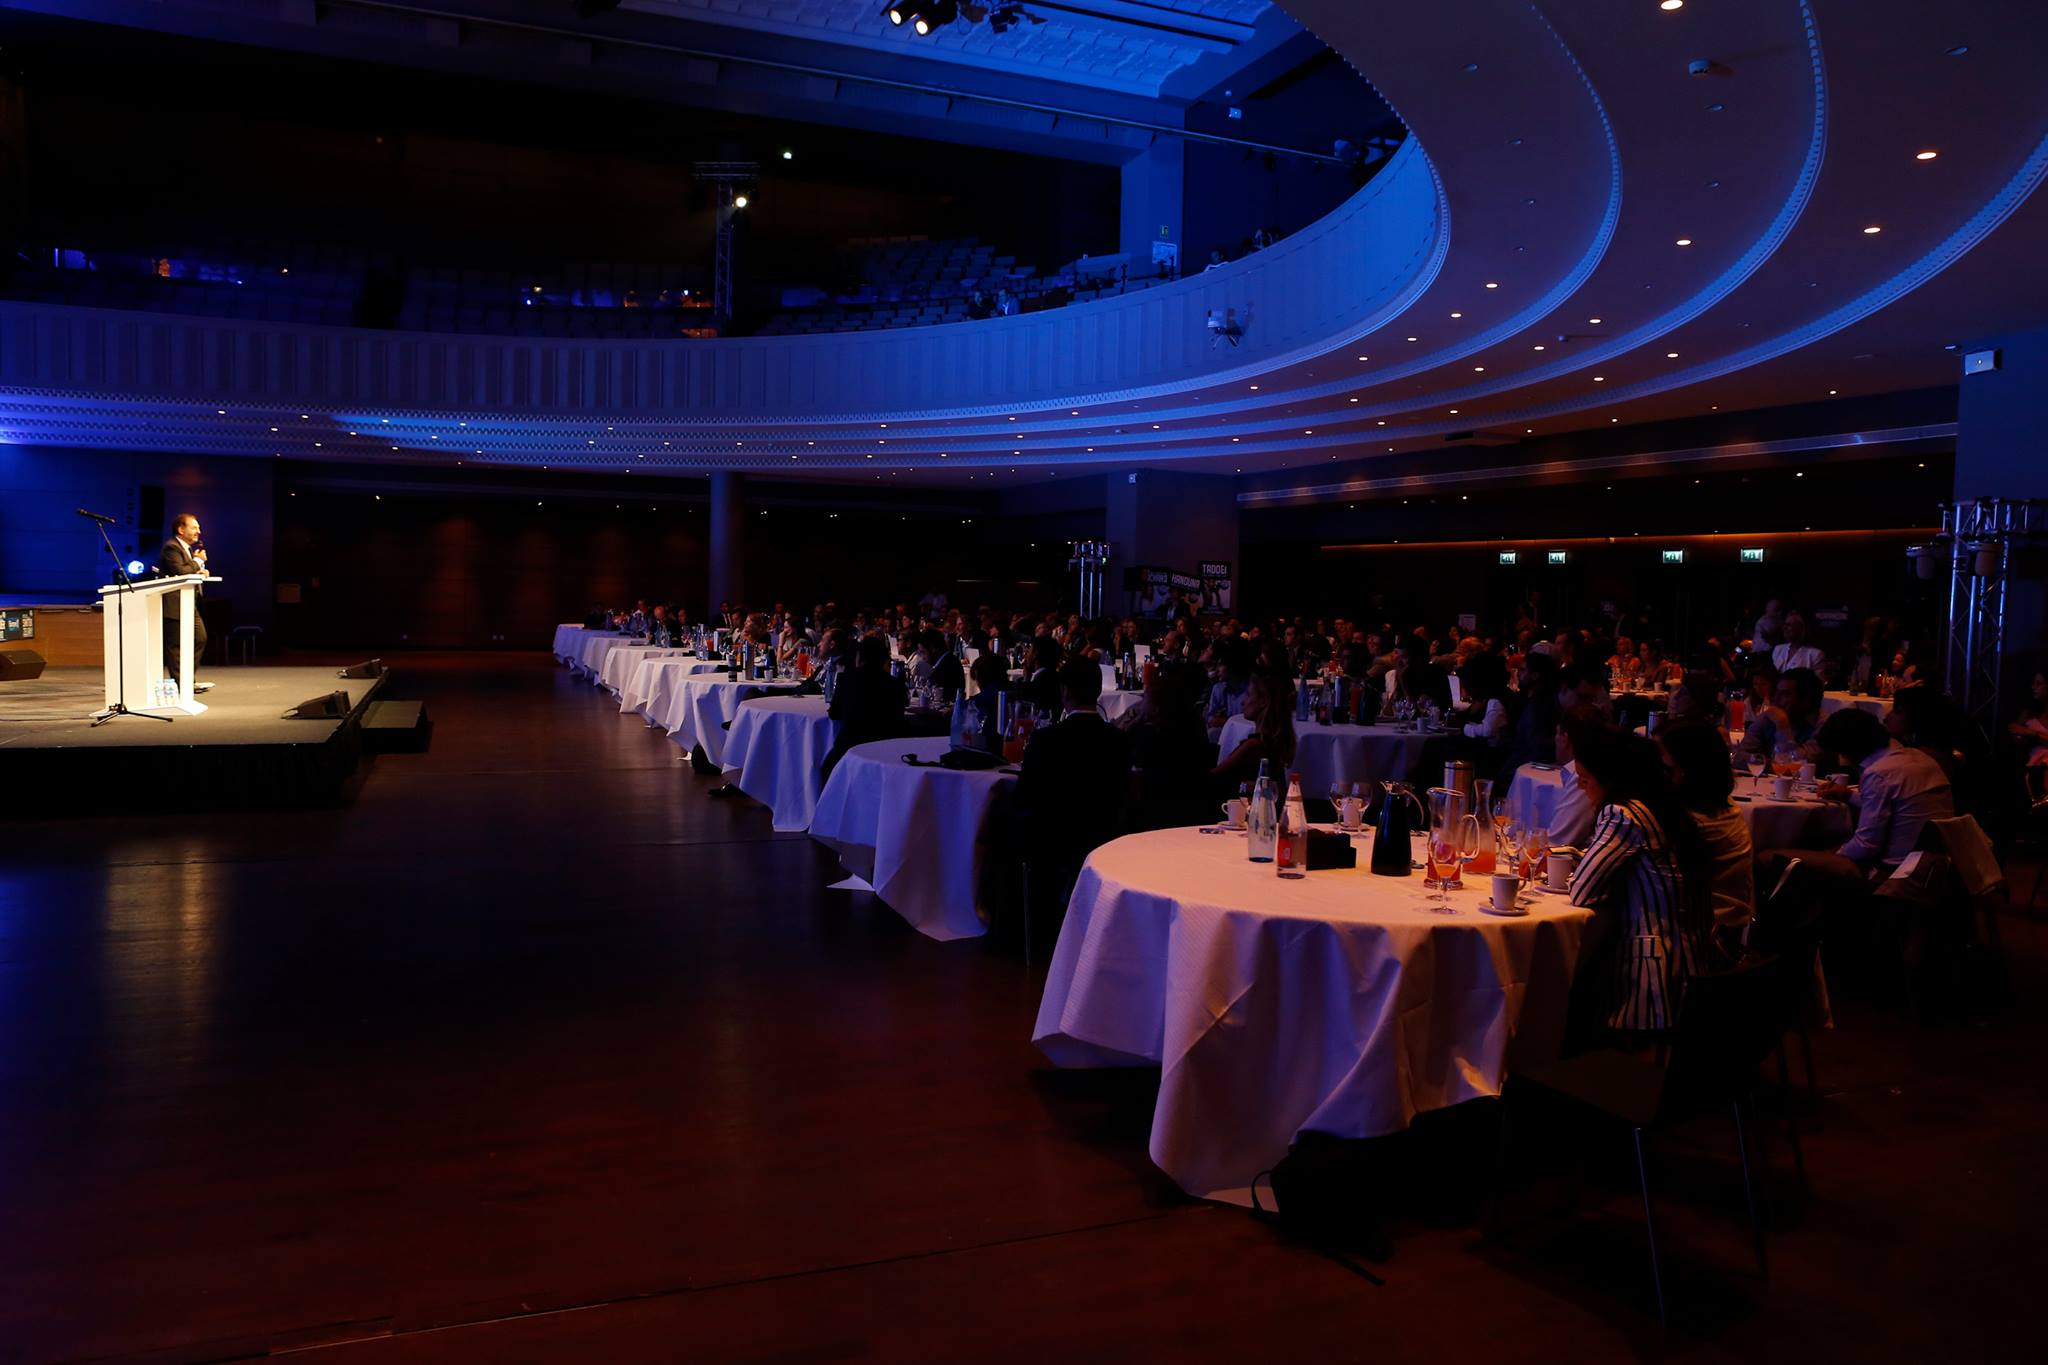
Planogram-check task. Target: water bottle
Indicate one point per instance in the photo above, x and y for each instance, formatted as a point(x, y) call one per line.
point(1262, 819)
point(1301, 713)
point(1292, 839)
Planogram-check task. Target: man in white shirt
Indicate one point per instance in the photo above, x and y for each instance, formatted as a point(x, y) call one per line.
point(1795, 652)
point(1898, 791)
point(1768, 625)
point(1571, 823)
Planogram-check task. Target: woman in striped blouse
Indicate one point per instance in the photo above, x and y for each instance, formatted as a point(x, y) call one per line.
point(1647, 878)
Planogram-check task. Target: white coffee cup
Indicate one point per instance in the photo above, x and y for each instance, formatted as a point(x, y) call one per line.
point(1506, 886)
point(1806, 774)
point(1233, 813)
point(1558, 870)
point(1781, 787)
point(1348, 811)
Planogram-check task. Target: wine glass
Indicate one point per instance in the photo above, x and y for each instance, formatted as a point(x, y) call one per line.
point(1753, 760)
point(1536, 850)
point(1513, 835)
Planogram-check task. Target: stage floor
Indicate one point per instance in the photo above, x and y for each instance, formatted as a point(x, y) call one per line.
point(246, 706)
point(239, 752)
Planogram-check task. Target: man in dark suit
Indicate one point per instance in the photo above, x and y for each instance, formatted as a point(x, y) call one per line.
point(1075, 779)
point(868, 700)
point(182, 554)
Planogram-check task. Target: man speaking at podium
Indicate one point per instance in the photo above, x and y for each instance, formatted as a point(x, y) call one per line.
point(182, 554)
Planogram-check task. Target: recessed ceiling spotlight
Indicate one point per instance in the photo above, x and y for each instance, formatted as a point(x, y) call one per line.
point(1927, 155)
point(1685, 241)
point(1872, 230)
point(1671, 355)
point(1493, 284)
point(1457, 315)
point(1832, 392)
point(1382, 423)
point(1594, 321)
point(1599, 379)
point(1671, 4)
point(1365, 357)
point(1413, 338)
point(1538, 348)
point(1479, 369)
point(1958, 50)
point(1354, 400)
point(1454, 412)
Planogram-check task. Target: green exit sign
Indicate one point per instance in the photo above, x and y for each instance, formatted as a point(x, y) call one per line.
point(1674, 556)
point(1560, 557)
point(1752, 554)
point(1510, 557)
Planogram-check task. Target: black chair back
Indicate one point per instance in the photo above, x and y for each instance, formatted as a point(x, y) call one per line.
point(1727, 1024)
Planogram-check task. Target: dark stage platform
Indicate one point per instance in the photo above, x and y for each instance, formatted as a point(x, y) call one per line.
point(240, 752)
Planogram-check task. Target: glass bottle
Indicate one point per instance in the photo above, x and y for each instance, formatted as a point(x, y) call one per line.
point(1262, 819)
point(1291, 843)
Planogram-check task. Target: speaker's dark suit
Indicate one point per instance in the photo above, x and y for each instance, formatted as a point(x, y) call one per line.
point(175, 561)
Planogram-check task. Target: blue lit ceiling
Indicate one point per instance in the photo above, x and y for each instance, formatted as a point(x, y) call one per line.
point(1621, 242)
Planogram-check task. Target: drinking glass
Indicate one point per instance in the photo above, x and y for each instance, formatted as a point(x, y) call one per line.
point(1754, 761)
point(1535, 852)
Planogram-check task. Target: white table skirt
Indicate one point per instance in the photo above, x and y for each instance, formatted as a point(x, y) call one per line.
point(1339, 753)
point(922, 826)
point(1805, 822)
point(618, 664)
point(594, 646)
point(1340, 1002)
point(1831, 702)
point(566, 636)
point(632, 673)
point(778, 746)
point(700, 706)
point(651, 688)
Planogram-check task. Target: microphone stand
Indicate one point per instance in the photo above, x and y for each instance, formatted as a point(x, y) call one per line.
point(119, 706)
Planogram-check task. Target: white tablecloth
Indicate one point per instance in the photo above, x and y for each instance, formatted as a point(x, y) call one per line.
point(1339, 1002)
point(650, 688)
point(1339, 753)
point(1806, 822)
point(618, 664)
point(1113, 704)
point(591, 650)
point(1831, 702)
point(566, 636)
point(778, 745)
point(697, 709)
point(922, 827)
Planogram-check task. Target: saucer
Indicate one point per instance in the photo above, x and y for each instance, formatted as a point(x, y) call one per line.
point(1519, 912)
point(1547, 889)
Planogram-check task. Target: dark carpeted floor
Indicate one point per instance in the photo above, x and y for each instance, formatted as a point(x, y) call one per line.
point(531, 1052)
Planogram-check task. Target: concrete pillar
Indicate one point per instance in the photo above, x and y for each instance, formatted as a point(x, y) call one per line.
point(1150, 205)
point(727, 579)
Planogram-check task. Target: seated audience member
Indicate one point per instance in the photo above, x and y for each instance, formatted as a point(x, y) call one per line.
point(1898, 791)
point(1792, 719)
point(1696, 757)
point(1584, 685)
point(636, 623)
point(1571, 823)
point(2030, 731)
point(1272, 740)
point(1074, 781)
point(835, 656)
point(1041, 686)
point(1171, 752)
point(1415, 679)
point(1646, 877)
point(1697, 698)
point(1926, 718)
point(1796, 652)
point(868, 701)
point(1533, 738)
point(659, 633)
point(1233, 675)
point(938, 666)
point(1484, 682)
point(974, 718)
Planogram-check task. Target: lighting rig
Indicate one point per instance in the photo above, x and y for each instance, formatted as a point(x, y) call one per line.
point(925, 17)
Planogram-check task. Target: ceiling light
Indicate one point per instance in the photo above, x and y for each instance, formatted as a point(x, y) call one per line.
point(1539, 348)
point(788, 155)
point(1671, 355)
point(1412, 338)
point(1457, 315)
point(1872, 230)
point(1594, 321)
point(1479, 369)
point(1599, 379)
point(1685, 241)
point(1671, 4)
point(1925, 156)
point(1491, 284)
point(1454, 412)
point(739, 201)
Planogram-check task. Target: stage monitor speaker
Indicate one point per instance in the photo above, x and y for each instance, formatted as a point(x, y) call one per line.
point(368, 668)
point(333, 706)
point(19, 665)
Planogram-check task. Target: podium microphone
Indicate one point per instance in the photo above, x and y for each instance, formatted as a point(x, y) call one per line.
point(94, 516)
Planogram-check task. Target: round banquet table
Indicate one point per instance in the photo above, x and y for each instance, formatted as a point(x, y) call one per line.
point(697, 708)
point(1338, 753)
point(1806, 821)
point(914, 834)
point(1340, 1002)
point(778, 745)
point(645, 675)
point(1831, 702)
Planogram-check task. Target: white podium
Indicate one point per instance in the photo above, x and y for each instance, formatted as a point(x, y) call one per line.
point(134, 635)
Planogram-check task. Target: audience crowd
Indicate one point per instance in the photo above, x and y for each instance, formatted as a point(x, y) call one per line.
point(1646, 735)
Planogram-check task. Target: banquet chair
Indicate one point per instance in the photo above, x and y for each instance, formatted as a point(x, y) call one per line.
point(1727, 1024)
point(1790, 921)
